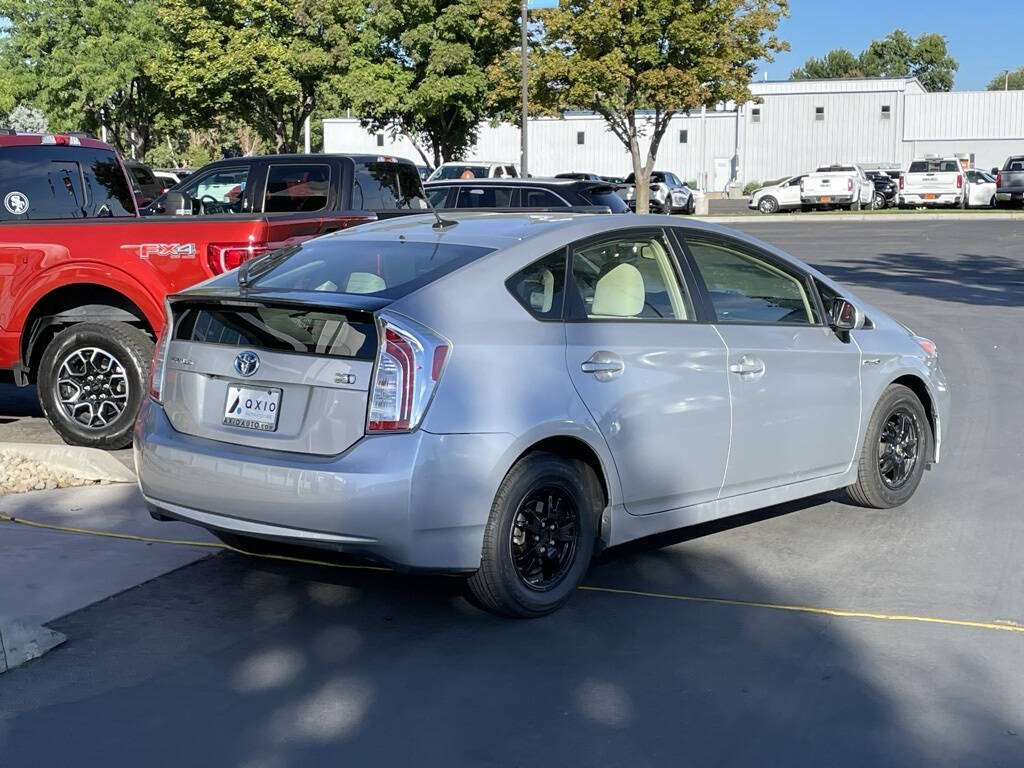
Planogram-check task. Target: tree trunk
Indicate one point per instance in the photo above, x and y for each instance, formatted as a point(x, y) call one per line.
point(641, 177)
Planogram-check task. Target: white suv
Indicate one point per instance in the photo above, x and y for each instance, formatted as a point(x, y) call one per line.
point(475, 169)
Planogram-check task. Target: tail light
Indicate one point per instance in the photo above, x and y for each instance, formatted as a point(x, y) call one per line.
point(410, 361)
point(959, 182)
point(801, 185)
point(927, 346)
point(223, 257)
point(999, 179)
point(901, 182)
point(159, 364)
point(849, 184)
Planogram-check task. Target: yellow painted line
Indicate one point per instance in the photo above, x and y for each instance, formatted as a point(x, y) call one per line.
point(838, 613)
point(1007, 627)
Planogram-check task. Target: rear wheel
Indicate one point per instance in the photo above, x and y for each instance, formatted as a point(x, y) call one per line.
point(878, 201)
point(896, 449)
point(539, 537)
point(92, 378)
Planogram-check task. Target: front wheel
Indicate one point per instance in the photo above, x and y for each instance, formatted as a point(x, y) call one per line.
point(768, 204)
point(897, 447)
point(539, 537)
point(878, 201)
point(92, 380)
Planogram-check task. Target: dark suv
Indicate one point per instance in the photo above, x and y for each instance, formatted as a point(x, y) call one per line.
point(524, 193)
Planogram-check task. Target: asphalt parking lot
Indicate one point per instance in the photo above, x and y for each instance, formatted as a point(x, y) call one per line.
point(248, 662)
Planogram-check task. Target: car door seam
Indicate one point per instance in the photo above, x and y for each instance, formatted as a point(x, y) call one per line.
point(728, 383)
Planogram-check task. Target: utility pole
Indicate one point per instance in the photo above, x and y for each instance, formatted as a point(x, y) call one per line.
point(524, 54)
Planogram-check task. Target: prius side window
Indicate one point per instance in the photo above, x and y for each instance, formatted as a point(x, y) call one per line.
point(746, 289)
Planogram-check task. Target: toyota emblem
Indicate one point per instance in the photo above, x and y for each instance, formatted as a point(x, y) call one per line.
point(247, 363)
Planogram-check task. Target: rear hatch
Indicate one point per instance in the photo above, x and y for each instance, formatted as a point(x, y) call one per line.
point(818, 184)
point(279, 372)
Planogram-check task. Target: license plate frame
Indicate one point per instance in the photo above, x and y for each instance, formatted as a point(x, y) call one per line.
point(254, 408)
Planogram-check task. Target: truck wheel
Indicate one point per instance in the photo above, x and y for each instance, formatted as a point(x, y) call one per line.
point(92, 379)
point(855, 205)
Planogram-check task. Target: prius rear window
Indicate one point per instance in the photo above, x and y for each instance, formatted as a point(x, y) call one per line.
point(386, 269)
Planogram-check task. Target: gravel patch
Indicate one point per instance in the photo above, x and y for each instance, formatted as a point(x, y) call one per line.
point(19, 474)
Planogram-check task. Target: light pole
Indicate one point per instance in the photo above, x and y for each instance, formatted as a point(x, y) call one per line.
point(524, 53)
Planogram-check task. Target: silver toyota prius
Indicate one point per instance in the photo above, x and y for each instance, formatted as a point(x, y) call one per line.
point(502, 395)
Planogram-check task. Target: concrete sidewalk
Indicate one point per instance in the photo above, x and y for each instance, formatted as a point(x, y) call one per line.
point(46, 574)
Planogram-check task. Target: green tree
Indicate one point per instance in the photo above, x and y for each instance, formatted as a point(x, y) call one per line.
point(86, 64)
point(618, 57)
point(836, 63)
point(1013, 81)
point(896, 55)
point(422, 69)
point(264, 63)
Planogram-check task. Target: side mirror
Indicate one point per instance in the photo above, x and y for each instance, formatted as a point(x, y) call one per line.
point(177, 204)
point(846, 317)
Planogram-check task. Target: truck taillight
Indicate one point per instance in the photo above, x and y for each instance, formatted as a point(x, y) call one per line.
point(223, 257)
point(901, 182)
point(959, 182)
point(999, 179)
point(849, 184)
point(410, 361)
point(159, 365)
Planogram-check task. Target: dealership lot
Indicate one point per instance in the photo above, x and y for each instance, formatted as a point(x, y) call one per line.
point(303, 664)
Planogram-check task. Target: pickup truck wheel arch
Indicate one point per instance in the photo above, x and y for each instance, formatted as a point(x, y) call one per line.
point(70, 304)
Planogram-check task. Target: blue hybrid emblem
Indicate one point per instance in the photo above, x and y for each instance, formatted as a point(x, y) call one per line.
point(247, 363)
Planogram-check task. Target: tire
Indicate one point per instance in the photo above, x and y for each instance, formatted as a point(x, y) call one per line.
point(567, 490)
point(874, 487)
point(855, 205)
point(878, 202)
point(691, 207)
point(768, 205)
point(118, 355)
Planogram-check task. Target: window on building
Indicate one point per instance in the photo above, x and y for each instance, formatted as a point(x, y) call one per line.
point(819, 113)
point(580, 137)
point(683, 136)
point(755, 115)
point(886, 111)
point(380, 139)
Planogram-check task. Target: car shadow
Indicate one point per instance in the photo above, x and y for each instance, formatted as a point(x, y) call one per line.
point(249, 662)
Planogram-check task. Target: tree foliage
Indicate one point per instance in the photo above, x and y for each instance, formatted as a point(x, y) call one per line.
point(264, 62)
point(86, 63)
point(422, 68)
point(618, 57)
point(1013, 81)
point(27, 120)
point(896, 55)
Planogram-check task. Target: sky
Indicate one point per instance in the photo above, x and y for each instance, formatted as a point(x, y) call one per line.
point(984, 36)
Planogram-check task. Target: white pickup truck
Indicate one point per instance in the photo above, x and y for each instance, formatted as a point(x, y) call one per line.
point(934, 181)
point(836, 186)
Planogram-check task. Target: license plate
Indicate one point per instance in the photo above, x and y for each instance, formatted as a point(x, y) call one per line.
point(929, 197)
point(252, 408)
point(826, 199)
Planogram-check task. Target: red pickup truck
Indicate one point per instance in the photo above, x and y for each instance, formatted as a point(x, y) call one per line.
point(83, 275)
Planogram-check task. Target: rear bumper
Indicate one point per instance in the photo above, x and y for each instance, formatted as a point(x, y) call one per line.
point(845, 199)
point(415, 500)
point(943, 198)
point(1005, 195)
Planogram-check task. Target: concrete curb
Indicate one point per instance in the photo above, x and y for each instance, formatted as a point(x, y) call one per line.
point(86, 463)
point(21, 642)
point(726, 218)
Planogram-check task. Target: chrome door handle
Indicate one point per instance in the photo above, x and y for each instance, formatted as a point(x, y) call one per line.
point(748, 366)
point(603, 365)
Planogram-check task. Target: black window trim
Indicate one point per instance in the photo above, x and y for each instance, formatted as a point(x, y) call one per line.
point(573, 309)
point(684, 234)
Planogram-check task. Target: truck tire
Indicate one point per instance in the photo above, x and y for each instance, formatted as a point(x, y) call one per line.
point(92, 380)
point(855, 205)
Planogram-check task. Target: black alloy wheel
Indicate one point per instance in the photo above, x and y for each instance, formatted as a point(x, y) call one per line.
point(899, 448)
point(543, 538)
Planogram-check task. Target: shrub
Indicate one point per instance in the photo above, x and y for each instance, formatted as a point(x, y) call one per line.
point(748, 190)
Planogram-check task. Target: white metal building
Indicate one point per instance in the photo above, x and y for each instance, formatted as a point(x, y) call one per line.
point(790, 127)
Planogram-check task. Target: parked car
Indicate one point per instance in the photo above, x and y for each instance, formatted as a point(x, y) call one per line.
point(582, 176)
point(424, 171)
point(474, 170)
point(83, 279)
point(613, 179)
point(887, 190)
point(836, 186)
point(147, 186)
point(934, 181)
point(1010, 181)
point(667, 193)
point(524, 193)
point(981, 189)
point(674, 373)
point(169, 178)
point(781, 196)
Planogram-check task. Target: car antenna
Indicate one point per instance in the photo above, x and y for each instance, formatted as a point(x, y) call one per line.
point(441, 224)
